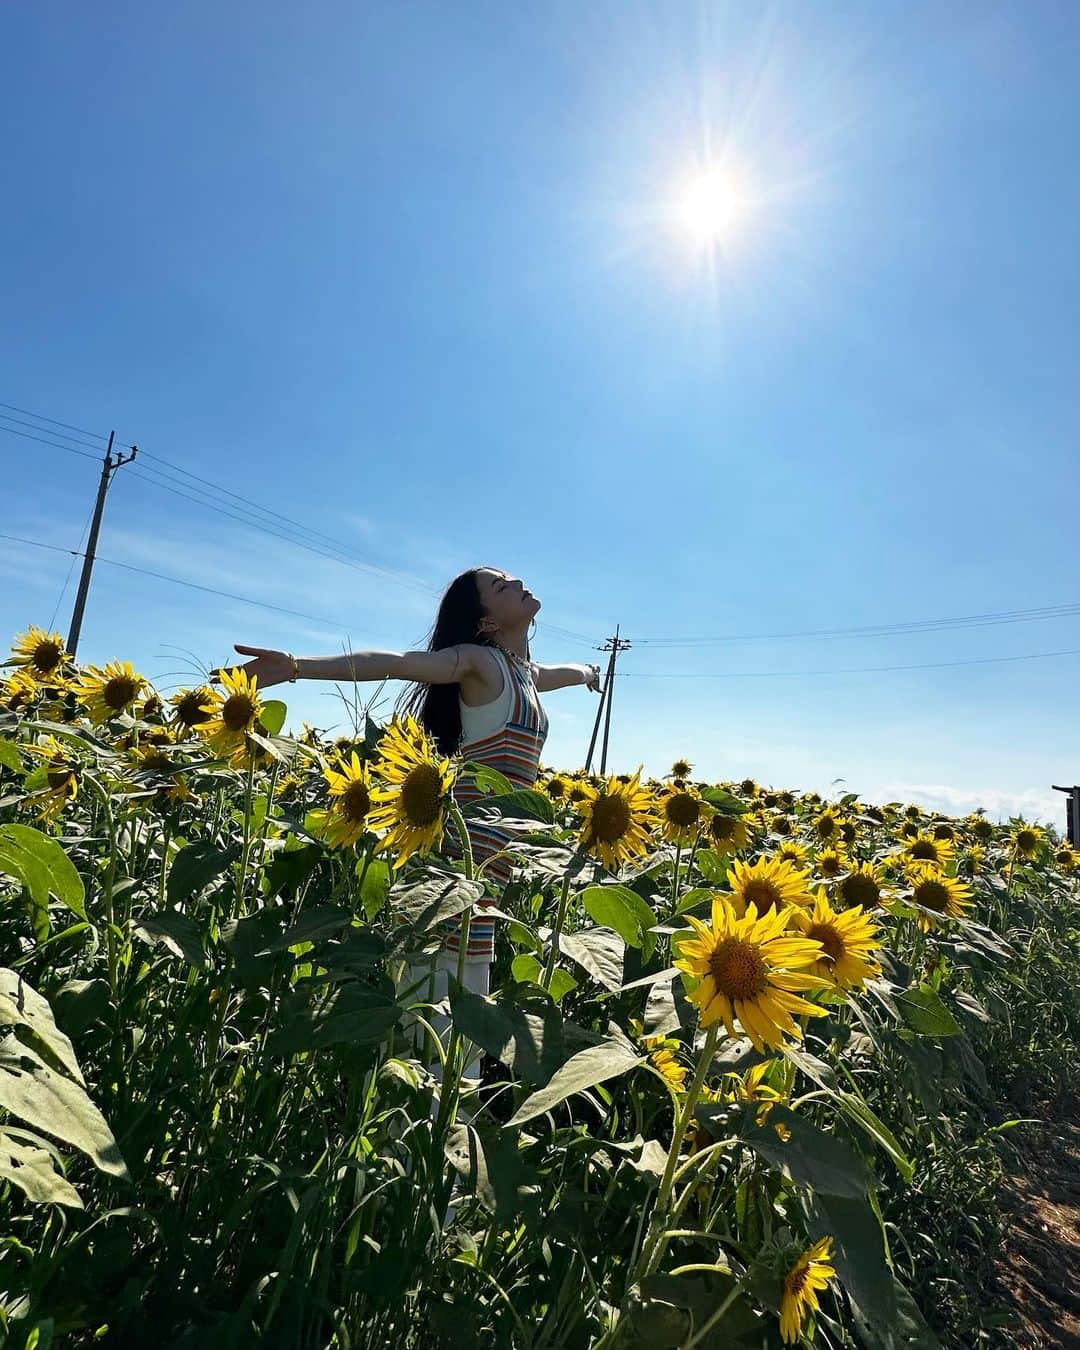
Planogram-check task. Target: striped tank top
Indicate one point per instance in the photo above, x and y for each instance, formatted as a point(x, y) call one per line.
point(514, 750)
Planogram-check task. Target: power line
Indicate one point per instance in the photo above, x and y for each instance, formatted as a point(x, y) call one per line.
point(878, 630)
point(41, 418)
point(179, 581)
point(63, 435)
point(844, 670)
point(55, 444)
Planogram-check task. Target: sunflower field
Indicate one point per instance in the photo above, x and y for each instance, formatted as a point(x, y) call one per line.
point(754, 1071)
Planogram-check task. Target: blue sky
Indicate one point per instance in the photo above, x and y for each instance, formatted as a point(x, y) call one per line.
point(416, 276)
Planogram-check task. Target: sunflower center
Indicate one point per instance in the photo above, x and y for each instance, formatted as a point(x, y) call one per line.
point(738, 968)
point(119, 691)
point(943, 832)
point(682, 809)
point(355, 802)
point(610, 819)
point(859, 889)
point(421, 795)
point(238, 712)
point(925, 849)
point(189, 710)
point(556, 788)
point(1026, 841)
point(829, 864)
point(47, 656)
point(826, 826)
point(932, 895)
point(796, 1280)
point(829, 938)
point(723, 827)
point(762, 893)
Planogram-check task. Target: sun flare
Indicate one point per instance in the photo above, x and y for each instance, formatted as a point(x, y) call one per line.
point(715, 203)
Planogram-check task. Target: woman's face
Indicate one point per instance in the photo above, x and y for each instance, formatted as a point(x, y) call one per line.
point(505, 599)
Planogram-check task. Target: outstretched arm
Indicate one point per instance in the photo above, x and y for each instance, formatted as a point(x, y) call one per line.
point(445, 666)
point(560, 677)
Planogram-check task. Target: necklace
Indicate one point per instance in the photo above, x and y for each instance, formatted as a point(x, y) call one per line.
point(525, 665)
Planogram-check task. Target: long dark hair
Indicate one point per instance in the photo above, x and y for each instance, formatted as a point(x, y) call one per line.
point(435, 706)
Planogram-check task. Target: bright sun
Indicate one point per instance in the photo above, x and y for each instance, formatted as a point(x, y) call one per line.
point(714, 204)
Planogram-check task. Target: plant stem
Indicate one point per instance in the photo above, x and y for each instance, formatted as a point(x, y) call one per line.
point(556, 934)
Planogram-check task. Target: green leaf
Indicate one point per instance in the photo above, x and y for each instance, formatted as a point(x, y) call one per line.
point(426, 903)
point(810, 1157)
point(10, 757)
point(33, 1171)
point(691, 899)
point(195, 866)
point(57, 1105)
point(712, 866)
point(600, 951)
point(486, 778)
point(858, 1111)
point(375, 888)
point(595, 1064)
point(518, 803)
point(924, 1013)
point(272, 716)
point(42, 866)
point(624, 910)
point(352, 1012)
point(526, 969)
point(176, 933)
point(22, 1006)
point(724, 802)
point(313, 925)
point(526, 1036)
point(858, 1254)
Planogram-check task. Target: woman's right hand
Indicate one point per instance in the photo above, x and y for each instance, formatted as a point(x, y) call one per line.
point(267, 666)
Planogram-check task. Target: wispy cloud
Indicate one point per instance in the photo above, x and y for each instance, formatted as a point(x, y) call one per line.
point(999, 803)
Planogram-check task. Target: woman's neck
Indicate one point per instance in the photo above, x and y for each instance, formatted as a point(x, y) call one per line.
point(516, 641)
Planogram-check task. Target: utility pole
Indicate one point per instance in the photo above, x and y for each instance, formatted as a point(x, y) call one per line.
point(108, 468)
point(614, 646)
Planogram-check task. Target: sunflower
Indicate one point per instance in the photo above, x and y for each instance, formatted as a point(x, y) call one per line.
point(187, 707)
point(913, 812)
point(863, 885)
point(768, 884)
point(750, 1087)
point(41, 654)
point(556, 787)
point(981, 828)
point(827, 824)
point(925, 848)
point(943, 830)
point(727, 834)
point(349, 789)
point(18, 690)
point(1065, 857)
point(748, 968)
point(418, 783)
point(683, 812)
point(975, 859)
point(909, 830)
point(794, 853)
point(618, 818)
point(932, 890)
point(848, 939)
point(748, 787)
point(830, 862)
point(780, 825)
point(230, 712)
point(809, 1275)
point(62, 781)
point(681, 768)
point(105, 693)
point(1026, 839)
point(663, 1056)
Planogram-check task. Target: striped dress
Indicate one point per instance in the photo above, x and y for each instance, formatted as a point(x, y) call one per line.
point(514, 750)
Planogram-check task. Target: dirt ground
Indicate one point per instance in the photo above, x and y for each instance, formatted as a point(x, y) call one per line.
point(1040, 1266)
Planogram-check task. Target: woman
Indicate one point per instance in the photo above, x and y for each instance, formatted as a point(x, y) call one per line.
point(477, 694)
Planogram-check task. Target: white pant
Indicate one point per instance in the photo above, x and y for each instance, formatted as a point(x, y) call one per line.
point(477, 981)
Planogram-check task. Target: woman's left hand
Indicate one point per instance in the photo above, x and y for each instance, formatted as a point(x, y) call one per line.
point(592, 678)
